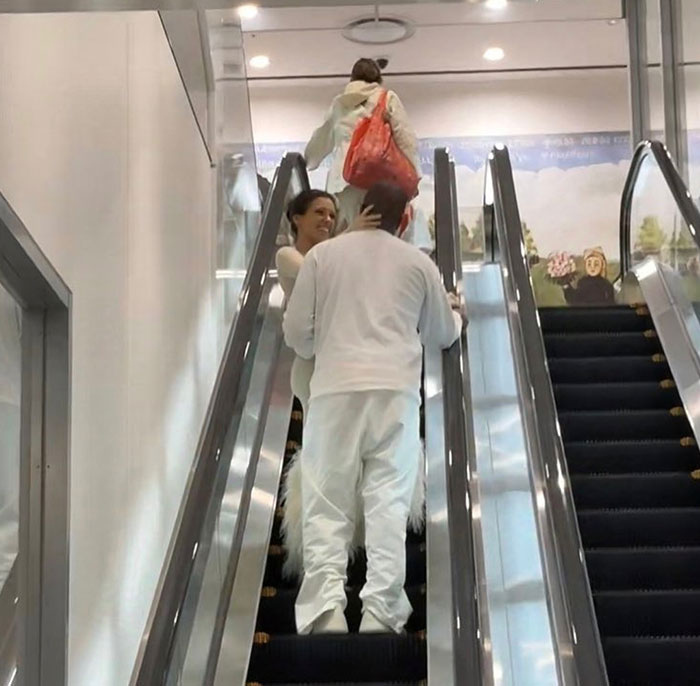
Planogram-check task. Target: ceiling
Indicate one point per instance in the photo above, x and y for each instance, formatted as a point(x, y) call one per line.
point(448, 37)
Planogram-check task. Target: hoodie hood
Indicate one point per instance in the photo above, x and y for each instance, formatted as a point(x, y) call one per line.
point(357, 92)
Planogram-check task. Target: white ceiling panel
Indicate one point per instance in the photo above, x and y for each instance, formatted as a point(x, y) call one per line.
point(445, 47)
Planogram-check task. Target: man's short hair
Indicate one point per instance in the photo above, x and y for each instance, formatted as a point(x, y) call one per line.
point(389, 201)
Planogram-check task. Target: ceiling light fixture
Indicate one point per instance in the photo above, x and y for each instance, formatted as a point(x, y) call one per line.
point(260, 62)
point(494, 54)
point(496, 4)
point(247, 11)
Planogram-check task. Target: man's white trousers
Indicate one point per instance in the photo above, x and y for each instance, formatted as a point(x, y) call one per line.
point(363, 442)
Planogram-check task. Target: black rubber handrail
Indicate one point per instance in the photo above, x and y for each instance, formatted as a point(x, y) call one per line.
point(459, 441)
point(677, 187)
point(153, 663)
point(575, 632)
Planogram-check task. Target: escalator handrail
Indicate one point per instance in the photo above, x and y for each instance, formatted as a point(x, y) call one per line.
point(459, 443)
point(152, 663)
point(575, 633)
point(677, 187)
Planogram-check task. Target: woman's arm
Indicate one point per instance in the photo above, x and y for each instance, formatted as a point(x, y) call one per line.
point(321, 143)
point(288, 261)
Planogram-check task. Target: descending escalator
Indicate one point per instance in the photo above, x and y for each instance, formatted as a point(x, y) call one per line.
point(280, 656)
point(630, 454)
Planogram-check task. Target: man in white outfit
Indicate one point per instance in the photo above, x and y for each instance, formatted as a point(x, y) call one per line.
point(363, 304)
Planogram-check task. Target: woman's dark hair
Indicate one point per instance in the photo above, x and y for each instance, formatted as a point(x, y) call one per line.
point(301, 203)
point(366, 70)
point(388, 201)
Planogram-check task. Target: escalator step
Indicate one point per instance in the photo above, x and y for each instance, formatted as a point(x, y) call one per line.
point(276, 610)
point(644, 527)
point(608, 369)
point(596, 319)
point(602, 344)
point(648, 613)
point(667, 489)
point(353, 658)
point(344, 683)
point(647, 568)
point(633, 661)
point(632, 456)
point(627, 425)
point(615, 396)
point(415, 568)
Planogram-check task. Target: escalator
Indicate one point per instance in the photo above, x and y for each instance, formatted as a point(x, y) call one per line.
point(613, 437)
point(630, 452)
point(224, 611)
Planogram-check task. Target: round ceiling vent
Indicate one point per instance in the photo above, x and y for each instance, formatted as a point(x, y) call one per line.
point(378, 30)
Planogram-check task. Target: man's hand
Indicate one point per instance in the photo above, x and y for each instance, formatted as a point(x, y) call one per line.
point(457, 304)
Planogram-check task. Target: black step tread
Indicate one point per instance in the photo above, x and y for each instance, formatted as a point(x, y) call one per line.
point(594, 319)
point(659, 661)
point(632, 456)
point(602, 344)
point(665, 489)
point(276, 612)
point(352, 657)
point(608, 369)
point(622, 425)
point(668, 612)
point(614, 528)
point(628, 395)
point(643, 568)
point(343, 683)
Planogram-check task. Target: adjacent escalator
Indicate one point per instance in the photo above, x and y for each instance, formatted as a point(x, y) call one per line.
point(630, 454)
point(280, 656)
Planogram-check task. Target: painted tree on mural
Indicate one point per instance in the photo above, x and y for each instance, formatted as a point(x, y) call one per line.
point(651, 236)
point(530, 245)
point(476, 238)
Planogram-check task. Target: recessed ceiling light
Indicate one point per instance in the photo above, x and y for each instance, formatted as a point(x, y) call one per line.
point(248, 11)
point(260, 62)
point(496, 4)
point(494, 54)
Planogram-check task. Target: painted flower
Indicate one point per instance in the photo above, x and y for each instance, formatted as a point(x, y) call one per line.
point(561, 268)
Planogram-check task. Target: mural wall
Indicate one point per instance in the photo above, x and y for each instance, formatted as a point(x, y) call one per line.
point(569, 188)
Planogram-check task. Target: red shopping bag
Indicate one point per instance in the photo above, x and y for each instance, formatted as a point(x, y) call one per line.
point(374, 156)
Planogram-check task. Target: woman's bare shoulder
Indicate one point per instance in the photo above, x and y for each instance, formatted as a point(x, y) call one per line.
point(288, 259)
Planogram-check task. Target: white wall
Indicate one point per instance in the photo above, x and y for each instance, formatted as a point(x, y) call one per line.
point(557, 102)
point(101, 158)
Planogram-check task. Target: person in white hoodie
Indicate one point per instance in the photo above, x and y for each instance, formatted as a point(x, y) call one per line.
point(357, 101)
point(363, 304)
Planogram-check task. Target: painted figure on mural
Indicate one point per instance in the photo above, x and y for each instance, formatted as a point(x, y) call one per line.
point(593, 288)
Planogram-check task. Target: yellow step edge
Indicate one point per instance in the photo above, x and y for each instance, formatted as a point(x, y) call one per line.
point(688, 442)
point(658, 357)
point(695, 474)
point(668, 383)
point(261, 639)
point(677, 412)
point(268, 592)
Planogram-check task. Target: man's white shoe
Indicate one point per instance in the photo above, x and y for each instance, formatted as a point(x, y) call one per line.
point(331, 622)
point(371, 625)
